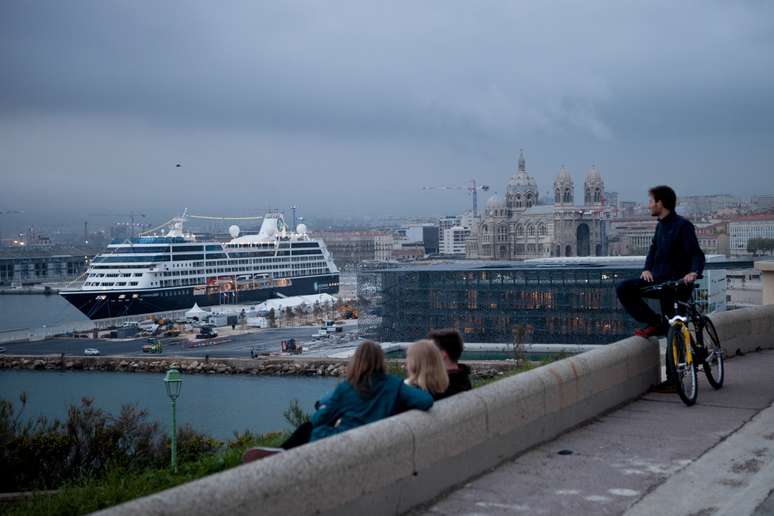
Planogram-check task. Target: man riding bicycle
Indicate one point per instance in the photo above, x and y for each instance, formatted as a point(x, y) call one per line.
point(674, 254)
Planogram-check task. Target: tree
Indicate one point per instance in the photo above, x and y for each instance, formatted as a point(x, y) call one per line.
point(289, 314)
point(317, 310)
point(271, 317)
point(301, 311)
point(519, 331)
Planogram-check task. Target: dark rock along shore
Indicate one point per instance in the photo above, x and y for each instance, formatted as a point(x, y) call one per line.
point(280, 366)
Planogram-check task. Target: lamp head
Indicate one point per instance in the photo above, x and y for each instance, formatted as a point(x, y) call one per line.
point(173, 382)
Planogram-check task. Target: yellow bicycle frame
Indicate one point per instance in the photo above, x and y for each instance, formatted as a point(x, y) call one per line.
point(686, 339)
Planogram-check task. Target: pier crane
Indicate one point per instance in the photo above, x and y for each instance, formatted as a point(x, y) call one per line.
point(472, 189)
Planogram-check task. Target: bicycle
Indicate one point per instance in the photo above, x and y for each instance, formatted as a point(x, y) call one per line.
point(692, 341)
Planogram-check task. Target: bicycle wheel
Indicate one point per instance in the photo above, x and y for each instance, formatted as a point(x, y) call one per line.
point(714, 366)
point(680, 353)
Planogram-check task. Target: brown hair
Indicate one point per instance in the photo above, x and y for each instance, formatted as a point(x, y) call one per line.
point(449, 340)
point(425, 367)
point(664, 194)
point(367, 361)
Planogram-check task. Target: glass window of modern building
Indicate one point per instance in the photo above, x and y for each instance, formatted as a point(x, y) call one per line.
point(555, 300)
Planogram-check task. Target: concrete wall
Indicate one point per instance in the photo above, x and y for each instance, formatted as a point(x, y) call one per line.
point(745, 330)
point(393, 465)
point(767, 278)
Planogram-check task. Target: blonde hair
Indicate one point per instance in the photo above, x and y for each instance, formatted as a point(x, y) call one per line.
point(425, 367)
point(367, 362)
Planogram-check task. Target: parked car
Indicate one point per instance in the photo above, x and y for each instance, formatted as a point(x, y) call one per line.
point(91, 352)
point(206, 332)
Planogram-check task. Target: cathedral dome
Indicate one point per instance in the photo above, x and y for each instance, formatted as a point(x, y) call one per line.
point(522, 183)
point(495, 202)
point(522, 189)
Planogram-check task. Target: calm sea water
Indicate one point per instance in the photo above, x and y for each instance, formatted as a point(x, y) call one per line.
point(215, 404)
point(34, 311)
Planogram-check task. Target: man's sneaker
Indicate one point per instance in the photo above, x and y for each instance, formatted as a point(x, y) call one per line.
point(665, 388)
point(646, 332)
point(258, 453)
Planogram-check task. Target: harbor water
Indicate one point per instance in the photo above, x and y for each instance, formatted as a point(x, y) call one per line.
point(215, 404)
point(35, 311)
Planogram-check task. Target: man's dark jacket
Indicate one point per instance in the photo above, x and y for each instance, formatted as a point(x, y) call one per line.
point(675, 250)
point(459, 381)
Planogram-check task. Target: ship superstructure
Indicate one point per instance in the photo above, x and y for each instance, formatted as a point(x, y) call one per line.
point(172, 272)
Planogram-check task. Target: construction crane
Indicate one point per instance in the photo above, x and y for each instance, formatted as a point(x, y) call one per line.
point(472, 188)
point(130, 216)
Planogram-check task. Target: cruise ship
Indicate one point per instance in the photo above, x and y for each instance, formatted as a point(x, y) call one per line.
point(151, 274)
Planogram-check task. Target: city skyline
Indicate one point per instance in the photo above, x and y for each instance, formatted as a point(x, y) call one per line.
point(350, 110)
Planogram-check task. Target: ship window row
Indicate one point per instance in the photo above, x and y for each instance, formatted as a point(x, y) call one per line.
point(247, 261)
point(250, 246)
point(102, 267)
point(307, 251)
point(242, 254)
point(115, 275)
point(182, 282)
point(282, 245)
point(117, 259)
point(110, 283)
point(170, 293)
point(140, 249)
point(187, 257)
point(232, 269)
point(188, 248)
point(254, 254)
point(198, 280)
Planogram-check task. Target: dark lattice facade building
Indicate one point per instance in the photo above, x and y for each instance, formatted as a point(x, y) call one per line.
point(561, 303)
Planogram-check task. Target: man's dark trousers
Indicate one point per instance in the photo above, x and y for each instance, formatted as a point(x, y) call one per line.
point(633, 300)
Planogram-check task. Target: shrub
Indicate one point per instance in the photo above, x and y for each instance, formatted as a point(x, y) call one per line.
point(295, 415)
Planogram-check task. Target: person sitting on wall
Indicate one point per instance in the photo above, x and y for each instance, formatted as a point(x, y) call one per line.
point(674, 255)
point(449, 342)
point(368, 395)
point(425, 368)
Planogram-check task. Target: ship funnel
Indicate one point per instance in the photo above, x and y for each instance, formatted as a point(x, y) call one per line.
point(269, 228)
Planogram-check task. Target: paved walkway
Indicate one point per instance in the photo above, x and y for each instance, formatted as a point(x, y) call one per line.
point(652, 456)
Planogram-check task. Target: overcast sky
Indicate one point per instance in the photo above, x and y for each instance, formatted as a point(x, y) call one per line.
point(350, 108)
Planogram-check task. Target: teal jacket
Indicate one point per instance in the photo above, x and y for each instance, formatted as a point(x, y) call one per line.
point(388, 396)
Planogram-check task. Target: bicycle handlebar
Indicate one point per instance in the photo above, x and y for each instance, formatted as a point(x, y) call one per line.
point(672, 284)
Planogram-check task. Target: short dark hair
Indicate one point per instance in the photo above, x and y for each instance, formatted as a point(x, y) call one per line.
point(449, 340)
point(666, 195)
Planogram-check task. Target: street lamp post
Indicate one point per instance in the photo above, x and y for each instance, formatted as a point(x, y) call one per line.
point(173, 381)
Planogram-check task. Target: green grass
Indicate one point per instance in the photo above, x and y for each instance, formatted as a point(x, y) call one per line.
point(118, 485)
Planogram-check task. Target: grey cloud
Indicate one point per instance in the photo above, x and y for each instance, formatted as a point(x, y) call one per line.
point(436, 91)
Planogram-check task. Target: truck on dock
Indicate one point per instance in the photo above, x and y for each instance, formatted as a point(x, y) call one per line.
point(152, 346)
